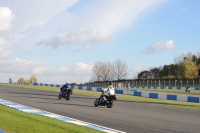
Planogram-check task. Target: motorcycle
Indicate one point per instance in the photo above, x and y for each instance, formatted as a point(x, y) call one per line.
point(109, 102)
point(187, 89)
point(65, 95)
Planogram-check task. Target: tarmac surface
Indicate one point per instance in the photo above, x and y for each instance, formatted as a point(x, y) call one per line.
point(127, 116)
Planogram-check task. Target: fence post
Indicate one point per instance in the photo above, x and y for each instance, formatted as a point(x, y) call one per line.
point(187, 82)
point(175, 83)
point(164, 83)
point(181, 83)
point(193, 83)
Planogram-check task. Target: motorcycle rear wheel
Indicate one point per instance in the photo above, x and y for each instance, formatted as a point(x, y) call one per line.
point(59, 97)
point(110, 104)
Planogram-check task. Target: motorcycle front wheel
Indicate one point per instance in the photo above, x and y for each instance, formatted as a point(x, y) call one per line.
point(96, 102)
point(67, 96)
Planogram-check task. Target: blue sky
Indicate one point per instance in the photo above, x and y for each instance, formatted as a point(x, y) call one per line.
point(60, 41)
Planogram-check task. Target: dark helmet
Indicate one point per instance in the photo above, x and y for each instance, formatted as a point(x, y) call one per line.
point(110, 83)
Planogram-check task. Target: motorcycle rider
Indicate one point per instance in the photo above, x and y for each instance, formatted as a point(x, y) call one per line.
point(187, 89)
point(65, 87)
point(106, 92)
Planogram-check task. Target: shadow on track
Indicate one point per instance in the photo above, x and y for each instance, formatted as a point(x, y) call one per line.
point(37, 97)
point(74, 95)
point(23, 93)
point(83, 97)
point(67, 103)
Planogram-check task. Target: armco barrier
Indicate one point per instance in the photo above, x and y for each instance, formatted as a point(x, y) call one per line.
point(135, 93)
point(162, 87)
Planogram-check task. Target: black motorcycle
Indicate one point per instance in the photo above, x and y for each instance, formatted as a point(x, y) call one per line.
point(108, 102)
point(65, 94)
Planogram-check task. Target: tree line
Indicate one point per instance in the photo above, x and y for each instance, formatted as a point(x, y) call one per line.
point(32, 79)
point(106, 71)
point(185, 66)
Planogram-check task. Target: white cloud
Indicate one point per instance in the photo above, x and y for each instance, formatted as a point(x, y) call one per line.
point(40, 70)
point(37, 13)
point(98, 22)
point(50, 54)
point(161, 46)
point(30, 15)
point(4, 51)
point(112, 16)
point(26, 31)
point(6, 17)
point(28, 52)
point(83, 47)
point(20, 68)
point(63, 69)
point(75, 37)
point(133, 73)
point(42, 11)
point(17, 68)
point(80, 66)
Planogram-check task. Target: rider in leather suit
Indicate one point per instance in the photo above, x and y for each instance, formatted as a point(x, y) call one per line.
point(65, 87)
point(106, 92)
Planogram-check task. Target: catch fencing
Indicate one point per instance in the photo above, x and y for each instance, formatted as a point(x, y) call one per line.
point(160, 83)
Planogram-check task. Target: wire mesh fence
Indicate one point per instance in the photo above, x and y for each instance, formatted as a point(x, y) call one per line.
point(148, 83)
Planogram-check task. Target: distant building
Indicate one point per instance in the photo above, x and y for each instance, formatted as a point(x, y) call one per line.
point(10, 81)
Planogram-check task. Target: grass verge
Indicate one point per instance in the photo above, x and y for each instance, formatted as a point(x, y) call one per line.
point(14, 121)
point(120, 97)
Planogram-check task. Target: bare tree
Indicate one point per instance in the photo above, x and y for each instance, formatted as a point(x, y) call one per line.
point(102, 71)
point(96, 71)
point(120, 69)
point(106, 71)
point(178, 59)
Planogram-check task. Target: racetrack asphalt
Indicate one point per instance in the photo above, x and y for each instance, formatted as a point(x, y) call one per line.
point(127, 116)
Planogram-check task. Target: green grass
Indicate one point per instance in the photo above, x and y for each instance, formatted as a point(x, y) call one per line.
point(14, 121)
point(120, 96)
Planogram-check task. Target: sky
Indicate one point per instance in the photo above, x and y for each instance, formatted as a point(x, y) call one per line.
point(60, 40)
